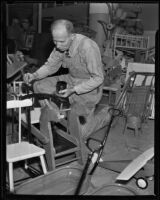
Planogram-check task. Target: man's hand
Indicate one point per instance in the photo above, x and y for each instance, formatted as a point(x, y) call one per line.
point(19, 56)
point(28, 77)
point(67, 92)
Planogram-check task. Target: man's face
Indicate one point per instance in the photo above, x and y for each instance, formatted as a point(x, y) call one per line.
point(62, 38)
point(15, 21)
point(25, 25)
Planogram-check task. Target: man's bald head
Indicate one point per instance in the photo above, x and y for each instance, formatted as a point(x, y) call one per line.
point(62, 32)
point(63, 24)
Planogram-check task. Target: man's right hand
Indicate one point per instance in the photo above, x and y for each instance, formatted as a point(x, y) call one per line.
point(28, 77)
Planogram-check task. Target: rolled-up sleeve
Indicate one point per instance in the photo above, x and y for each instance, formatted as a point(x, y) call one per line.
point(51, 66)
point(92, 58)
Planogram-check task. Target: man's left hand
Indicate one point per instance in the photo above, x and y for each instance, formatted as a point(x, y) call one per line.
point(67, 92)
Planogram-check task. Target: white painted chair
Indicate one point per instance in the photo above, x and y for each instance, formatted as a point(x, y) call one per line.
point(21, 150)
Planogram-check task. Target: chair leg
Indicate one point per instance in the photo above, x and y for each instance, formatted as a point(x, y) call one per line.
point(26, 164)
point(136, 131)
point(43, 164)
point(79, 155)
point(11, 181)
point(83, 154)
point(125, 126)
point(50, 156)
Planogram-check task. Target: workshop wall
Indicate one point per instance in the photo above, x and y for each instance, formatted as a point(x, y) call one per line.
point(80, 12)
point(150, 18)
point(73, 12)
point(149, 15)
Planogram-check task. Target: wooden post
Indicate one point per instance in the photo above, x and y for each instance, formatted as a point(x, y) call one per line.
point(7, 17)
point(35, 16)
point(39, 17)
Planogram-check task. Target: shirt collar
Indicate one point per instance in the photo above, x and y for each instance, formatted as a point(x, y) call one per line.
point(74, 46)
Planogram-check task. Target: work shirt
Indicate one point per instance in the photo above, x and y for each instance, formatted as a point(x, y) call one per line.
point(83, 60)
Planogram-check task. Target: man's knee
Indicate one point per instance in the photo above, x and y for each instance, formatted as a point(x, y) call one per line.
point(36, 87)
point(47, 85)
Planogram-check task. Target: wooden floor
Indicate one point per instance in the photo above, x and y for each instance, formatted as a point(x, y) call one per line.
point(118, 147)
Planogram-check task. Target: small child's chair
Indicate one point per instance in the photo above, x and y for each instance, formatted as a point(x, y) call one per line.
point(22, 150)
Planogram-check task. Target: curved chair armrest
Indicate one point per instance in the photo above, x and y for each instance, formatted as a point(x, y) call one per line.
point(42, 138)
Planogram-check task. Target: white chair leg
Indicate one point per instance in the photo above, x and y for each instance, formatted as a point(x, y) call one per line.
point(26, 164)
point(43, 164)
point(11, 181)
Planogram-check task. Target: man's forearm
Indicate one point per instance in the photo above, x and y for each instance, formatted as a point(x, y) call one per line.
point(51, 66)
point(89, 85)
point(42, 72)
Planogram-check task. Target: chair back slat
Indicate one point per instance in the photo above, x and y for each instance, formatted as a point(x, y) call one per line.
point(12, 104)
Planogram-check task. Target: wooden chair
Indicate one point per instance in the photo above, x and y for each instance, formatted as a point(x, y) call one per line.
point(22, 150)
point(65, 145)
point(136, 99)
point(61, 145)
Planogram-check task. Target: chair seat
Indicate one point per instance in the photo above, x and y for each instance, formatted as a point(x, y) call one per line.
point(22, 151)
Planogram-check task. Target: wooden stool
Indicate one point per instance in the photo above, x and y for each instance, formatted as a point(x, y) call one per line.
point(134, 123)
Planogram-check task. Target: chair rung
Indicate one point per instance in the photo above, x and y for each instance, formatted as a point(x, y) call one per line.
point(19, 103)
point(67, 152)
point(110, 88)
point(67, 161)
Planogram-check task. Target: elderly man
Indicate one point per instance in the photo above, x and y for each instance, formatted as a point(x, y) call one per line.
point(82, 57)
